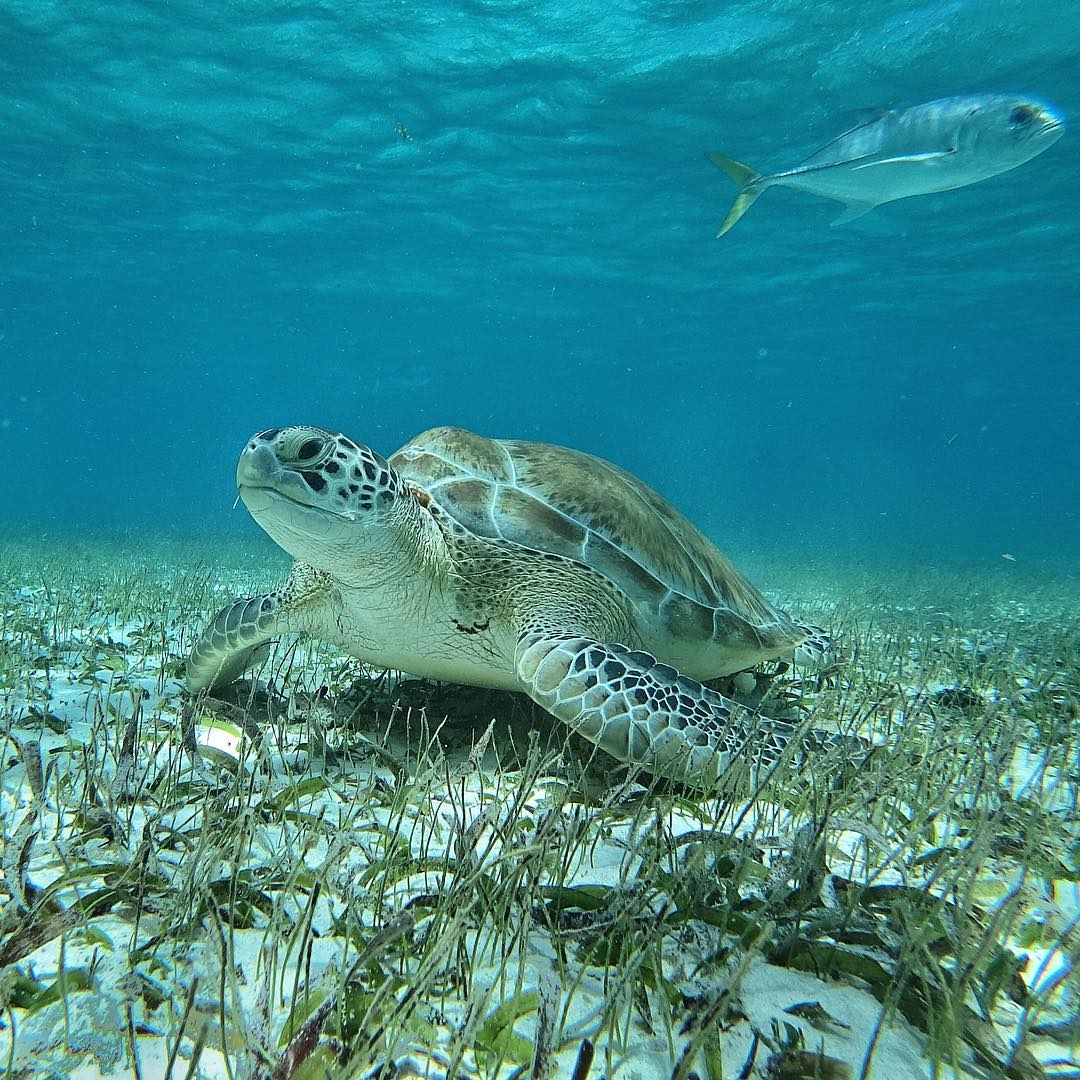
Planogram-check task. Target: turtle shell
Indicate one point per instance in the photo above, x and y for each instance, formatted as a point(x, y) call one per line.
point(553, 499)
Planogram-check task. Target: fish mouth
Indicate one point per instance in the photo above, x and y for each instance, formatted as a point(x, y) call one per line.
point(1049, 126)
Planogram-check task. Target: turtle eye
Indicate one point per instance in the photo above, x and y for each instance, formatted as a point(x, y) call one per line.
point(1022, 114)
point(308, 450)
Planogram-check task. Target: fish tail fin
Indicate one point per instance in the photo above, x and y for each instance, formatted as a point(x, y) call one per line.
point(751, 185)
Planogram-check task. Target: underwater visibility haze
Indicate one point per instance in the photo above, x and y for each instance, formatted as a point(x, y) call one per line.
point(381, 217)
point(267, 244)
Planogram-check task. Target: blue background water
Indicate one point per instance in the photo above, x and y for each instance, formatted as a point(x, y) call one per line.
point(211, 224)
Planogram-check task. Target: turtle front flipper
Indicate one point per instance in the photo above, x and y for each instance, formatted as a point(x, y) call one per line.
point(237, 639)
point(239, 636)
point(645, 713)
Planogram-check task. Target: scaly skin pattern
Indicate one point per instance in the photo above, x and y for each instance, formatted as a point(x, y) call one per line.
point(645, 713)
point(237, 638)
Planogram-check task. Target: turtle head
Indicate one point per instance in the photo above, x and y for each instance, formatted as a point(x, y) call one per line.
point(319, 495)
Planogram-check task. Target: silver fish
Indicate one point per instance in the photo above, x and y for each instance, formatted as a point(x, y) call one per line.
point(895, 153)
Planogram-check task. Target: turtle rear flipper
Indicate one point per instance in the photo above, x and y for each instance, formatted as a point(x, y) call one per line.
point(645, 713)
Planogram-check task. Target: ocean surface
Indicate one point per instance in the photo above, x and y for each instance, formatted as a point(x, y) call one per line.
point(382, 216)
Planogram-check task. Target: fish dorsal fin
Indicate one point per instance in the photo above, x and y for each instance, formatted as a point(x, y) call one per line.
point(861, 117)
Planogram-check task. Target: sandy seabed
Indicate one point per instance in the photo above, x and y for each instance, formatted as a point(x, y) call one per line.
point(334, 871)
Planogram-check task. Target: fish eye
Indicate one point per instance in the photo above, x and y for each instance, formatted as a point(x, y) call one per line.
point(1022, 114)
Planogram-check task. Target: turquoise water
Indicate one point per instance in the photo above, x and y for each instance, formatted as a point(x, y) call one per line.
point(382, 216)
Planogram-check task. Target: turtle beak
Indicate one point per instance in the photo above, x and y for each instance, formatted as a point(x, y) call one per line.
point(258, 467)
point(260, 477)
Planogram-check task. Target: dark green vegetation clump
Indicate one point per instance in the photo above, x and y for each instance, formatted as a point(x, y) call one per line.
point(337, 872)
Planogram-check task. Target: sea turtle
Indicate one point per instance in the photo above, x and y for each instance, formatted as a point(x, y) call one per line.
point(514, 565)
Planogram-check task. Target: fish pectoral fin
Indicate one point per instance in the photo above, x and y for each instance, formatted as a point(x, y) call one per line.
point(854, 210)
point(907, 159)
